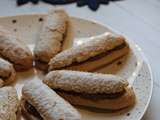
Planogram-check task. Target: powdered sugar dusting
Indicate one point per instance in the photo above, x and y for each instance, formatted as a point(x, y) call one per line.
point(91, 48)
point(84, 82)
point(48, 103)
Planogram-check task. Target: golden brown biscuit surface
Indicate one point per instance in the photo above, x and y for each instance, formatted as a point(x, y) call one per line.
point(51, 37)
point(47, 103)
point(15, 50)
point(85, 82)
point(97, 52)
point(95, 90)
point(7, 72)
point(9, 104)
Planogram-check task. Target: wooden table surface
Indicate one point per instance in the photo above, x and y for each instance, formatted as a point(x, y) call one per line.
point(139, 20)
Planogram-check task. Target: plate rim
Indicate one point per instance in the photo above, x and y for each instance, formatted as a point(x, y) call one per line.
point(145, 60)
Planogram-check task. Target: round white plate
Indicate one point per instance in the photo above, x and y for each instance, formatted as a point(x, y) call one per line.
point(133, 67)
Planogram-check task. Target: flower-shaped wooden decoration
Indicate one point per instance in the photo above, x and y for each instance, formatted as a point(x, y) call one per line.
point(92, 4)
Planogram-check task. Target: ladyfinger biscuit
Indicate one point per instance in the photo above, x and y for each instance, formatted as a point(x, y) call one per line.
point(85, 82)
point(7, 72)
point(95, 53)
point(9, 104)
point(51, 38)
point(94, 90)
point(42, 102)
point(15, 50)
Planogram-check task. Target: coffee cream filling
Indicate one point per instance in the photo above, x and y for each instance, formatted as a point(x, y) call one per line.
point(32, 110)
point(97, 57)
point(93, 96)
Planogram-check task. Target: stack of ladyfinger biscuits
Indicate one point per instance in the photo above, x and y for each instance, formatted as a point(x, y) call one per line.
point(14, 56)
point(70, 79)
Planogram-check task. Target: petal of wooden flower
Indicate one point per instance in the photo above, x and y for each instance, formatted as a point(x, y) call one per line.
point(81, 2)
point(93, 4)
point(34, 1)
point(21, 2)
point(104, 1)
point(59, 1)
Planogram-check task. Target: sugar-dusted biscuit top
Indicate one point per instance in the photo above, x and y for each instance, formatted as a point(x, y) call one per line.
point(97, 45)
point(49, 105)
point(15, 50)
point(9, 103)
point(85, 82)
point(52, 35)
point(7, 72)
